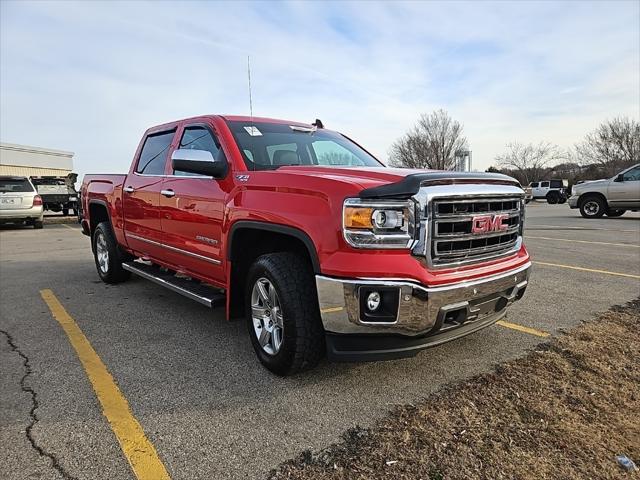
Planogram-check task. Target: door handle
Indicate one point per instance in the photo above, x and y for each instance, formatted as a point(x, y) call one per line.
point(128, 189)
point(168, 193)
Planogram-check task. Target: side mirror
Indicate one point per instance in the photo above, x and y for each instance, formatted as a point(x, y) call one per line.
point(198, 161)
point(619, 178)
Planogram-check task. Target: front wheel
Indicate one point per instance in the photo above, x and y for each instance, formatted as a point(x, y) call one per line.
point(615, 213)
point(592, 207)
point(107, 255)
point(283, 317)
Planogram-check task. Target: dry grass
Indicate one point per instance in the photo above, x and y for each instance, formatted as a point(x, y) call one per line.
point(563, 411)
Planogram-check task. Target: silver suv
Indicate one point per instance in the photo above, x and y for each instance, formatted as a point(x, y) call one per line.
point(612, 196)
point(19, 202)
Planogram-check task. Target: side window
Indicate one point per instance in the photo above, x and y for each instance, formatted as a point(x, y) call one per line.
point(154, 153)
point(534, 185)
point(632, 175)
point(544, 184)
point(197, 138)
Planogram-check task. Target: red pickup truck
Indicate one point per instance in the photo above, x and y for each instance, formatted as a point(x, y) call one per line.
point(321, 248)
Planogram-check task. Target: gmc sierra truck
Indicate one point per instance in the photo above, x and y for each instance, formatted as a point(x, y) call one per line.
point(320, 246)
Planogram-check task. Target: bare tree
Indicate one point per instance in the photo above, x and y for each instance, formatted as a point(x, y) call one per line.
point(614, 145)
point(529, 162)
point(431, 143)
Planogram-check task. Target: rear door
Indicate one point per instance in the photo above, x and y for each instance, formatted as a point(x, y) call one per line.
point(16, 193)
point(193, 209)
point(141, 195)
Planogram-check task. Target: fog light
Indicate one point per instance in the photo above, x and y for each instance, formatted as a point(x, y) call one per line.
point(373, 301)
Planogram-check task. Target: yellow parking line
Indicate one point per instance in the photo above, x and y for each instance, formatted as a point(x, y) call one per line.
point(140, 452)
point(331, 309)
point(584, 241)
point(522, 328)
point(571, 267)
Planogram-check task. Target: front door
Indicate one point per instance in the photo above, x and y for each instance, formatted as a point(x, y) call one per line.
point(625, 194)
point(141, 196)
point(192, 212)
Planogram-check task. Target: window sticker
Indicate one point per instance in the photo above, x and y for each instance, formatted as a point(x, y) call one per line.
point(253, 131)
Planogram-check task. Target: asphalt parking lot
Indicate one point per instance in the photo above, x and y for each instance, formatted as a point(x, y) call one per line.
point(192, 380)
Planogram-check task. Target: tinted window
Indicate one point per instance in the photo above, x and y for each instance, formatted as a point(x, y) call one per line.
point(544, 184)
point(268, 146)
point(154, 153)
point(632, 175)
point(197, 138)
point(16, 184)
point(534, 184)
point(556, 184)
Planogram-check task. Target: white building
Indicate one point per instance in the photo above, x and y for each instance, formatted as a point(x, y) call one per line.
point(26, 161)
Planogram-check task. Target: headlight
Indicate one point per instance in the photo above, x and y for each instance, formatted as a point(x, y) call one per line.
point(378, 224)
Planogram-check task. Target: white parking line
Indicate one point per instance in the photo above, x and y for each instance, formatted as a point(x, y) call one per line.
point(583, 241)
point(528, 226)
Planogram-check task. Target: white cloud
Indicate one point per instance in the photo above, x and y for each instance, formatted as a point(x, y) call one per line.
point(91, 76)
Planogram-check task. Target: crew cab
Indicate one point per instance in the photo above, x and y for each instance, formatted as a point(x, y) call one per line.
point(611, 196)
point(317, 244)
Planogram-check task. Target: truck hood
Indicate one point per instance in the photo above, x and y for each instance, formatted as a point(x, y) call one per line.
point(592, 183)
point(395, 182)
point(363, 177)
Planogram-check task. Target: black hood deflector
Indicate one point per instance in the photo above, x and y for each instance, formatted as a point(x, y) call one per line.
point(410, 184)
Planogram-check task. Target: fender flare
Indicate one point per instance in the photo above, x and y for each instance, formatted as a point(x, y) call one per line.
point(276, 228)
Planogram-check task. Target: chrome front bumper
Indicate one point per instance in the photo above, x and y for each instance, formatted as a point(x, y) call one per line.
point(573, 201)
point(421, 310)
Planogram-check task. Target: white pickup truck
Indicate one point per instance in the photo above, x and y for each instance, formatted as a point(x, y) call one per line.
point(611, 197)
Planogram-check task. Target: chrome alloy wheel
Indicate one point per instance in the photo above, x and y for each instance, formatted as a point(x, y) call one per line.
point(102, 253)
point(591, 207)
point(267, 316)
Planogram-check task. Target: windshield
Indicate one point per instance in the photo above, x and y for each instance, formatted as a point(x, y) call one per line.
point(15, 185)
point(267, 146)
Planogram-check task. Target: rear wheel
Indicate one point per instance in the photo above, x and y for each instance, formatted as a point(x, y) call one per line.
point(283, 317)
point(615, 213)
point(553, 198)
point(593, 207)
point(37, 224)
point(107, 255)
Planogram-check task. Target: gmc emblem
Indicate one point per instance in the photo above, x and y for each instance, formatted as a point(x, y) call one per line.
point(489, 223)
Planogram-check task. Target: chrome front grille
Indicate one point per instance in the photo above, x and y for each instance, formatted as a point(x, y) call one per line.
point(452, 239)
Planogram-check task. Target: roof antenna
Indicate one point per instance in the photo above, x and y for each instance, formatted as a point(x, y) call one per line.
point(250, 100)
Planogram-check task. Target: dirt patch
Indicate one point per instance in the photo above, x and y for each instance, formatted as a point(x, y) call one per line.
point(563, 411)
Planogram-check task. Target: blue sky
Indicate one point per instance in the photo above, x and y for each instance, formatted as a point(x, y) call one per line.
point(90, 77)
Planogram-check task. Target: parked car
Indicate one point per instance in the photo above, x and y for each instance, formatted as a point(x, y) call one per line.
point(58, 193)
point(19, 202)
point(611, 197)
point(320, 246)
point(553, 191)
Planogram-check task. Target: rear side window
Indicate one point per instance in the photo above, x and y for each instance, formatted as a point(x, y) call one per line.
point(15, 185)
point(154, 153)
point(556, 184)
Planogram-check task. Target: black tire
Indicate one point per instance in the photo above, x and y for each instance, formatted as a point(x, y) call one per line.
point(592, 206)
point(65, 212)
point(562, 199)
point(112, 271)
point(37, 224)
point(553, 198)
point(302, 335)
point(615, 213)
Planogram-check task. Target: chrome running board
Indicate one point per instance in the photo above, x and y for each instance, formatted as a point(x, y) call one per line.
point(205, 294)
